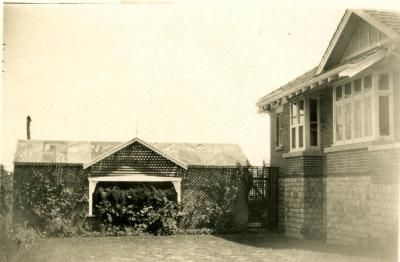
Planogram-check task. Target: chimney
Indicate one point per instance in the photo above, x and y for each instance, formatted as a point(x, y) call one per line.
point(28, 127)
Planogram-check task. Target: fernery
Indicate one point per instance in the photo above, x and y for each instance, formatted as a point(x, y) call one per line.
point(141, 209)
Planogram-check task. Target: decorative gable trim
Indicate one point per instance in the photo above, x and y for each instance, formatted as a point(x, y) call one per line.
point(124, 145)
point(342, 25)
point(376, 23)
point(334, 41)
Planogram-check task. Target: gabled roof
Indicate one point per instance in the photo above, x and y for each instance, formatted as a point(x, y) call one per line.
point(310, 80)
point(135, 140)
point(389, 19)
point(84, 152)
point(386, 21)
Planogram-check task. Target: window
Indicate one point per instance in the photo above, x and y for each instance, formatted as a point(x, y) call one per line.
point(384, 115)
point(383, 104)
point(357, 87)
point(338, 116)
point(368, 116)
point(358, 104)
point(357, 119)
point(347, 121)
point(313, 122)
point(278, 130)
point(383, 82)
point(304, 124)
point(297, 116)
point(338, 93)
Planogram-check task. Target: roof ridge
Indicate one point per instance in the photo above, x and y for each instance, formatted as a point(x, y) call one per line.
point(104, 141)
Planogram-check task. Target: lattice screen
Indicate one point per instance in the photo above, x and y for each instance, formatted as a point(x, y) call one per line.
point(193, 192)
point(73, 176)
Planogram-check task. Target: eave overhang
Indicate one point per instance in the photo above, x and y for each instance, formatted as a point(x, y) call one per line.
point(266, 103)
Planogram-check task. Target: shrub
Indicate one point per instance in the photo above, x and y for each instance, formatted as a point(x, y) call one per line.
point(54, 208)
point(141, 210)
point(5, 191)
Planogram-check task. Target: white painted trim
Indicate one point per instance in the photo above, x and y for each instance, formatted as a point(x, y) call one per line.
point(374, 93)
point(345, 147)
point(334, 40)
point(176, 181)
point(357, 68)
point(376, 23)
point(269, 99)
point(384, 147)
point(309, 152)
point(134, 178)
point(381, 27)
point(136, 139)
point(306, 125)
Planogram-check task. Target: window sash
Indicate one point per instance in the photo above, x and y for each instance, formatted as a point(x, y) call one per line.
point(338, 124)
point(384, 128)
point(357, 118)
point(278, 130)
point(302, 130)
point(368, 116)
point(358, 103)
point(313, 122)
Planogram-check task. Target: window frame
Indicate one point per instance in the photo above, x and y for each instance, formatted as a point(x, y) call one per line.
point(295, 123)
point(374, 93)
point(305, 124)
point(279, 130)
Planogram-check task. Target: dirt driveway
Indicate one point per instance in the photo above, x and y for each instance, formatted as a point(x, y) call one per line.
point(248, 247)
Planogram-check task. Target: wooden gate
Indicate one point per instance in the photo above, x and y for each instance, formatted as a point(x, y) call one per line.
point(263, 198)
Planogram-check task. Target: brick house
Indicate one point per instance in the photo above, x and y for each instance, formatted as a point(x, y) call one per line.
point(335, 133)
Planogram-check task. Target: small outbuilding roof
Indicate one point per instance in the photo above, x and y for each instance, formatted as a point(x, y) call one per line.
point(84, 152)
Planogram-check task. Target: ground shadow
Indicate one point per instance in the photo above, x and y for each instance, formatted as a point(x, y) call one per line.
point(276, 240)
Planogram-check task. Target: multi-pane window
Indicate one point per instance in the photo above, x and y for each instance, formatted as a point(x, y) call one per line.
point(383, 101)
point(297, 124)
point(304, 125)
point(354, 108)
point(313, 122)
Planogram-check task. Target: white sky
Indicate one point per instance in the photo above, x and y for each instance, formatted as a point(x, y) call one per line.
point(181, 72)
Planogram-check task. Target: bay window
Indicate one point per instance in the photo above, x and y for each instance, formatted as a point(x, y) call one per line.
point(361, 108)
point(304, 124)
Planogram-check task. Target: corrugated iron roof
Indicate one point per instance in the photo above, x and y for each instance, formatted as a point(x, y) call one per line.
point(81, 152)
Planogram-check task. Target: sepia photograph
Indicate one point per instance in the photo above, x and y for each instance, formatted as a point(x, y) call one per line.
point(163, 130)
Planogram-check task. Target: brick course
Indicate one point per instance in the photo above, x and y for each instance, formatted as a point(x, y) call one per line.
point(347, 196)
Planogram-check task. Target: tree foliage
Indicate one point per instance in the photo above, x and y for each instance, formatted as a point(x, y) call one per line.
point(5, 191)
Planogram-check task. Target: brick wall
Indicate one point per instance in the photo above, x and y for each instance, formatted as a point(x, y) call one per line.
point(348, 196)
point(362, 196)
point(304, 205)
point(301, 195)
